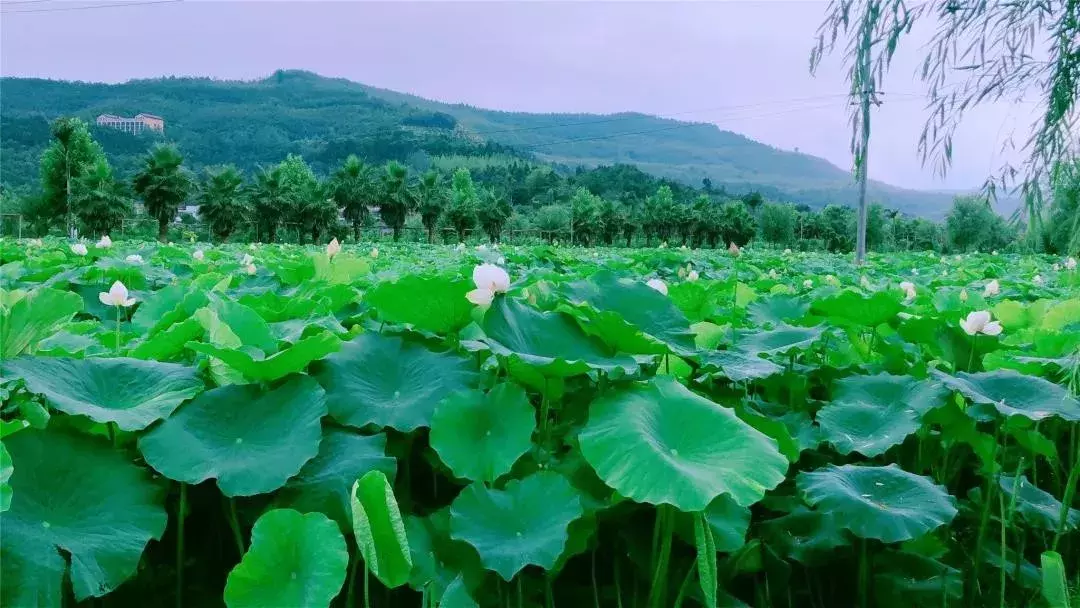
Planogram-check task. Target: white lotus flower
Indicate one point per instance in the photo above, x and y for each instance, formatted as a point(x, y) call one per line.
point(1070, 264)
point(831, 280)
point(787, 252)
point(909, 290)
point(198, 254)
point(1037, 280)
point(663, 245)
point(963, 295)
point(78, 249)
point(35, 243)
point(460, 247)
point(1056, 267)
point(502, 260)
point(864, 282)
point(495, 246)
point(978, 322)
point(734, 250)
point(105, 242)
point(682, 247)
point(116, 296)
point(374, 252)
point(772, 274)
point(692, 276)
point(658, 285)
point(808, 283)
point(250, 269)
point(252, 246)
point(958, 257)
point(247, 260)
point(134, 259)
point(481, 247)
point(915, 271)
point(994, 252)
point(333, 248)
point(992, 288)
point(489, 280)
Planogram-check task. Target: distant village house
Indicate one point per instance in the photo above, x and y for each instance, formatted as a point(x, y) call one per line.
point(134, 125)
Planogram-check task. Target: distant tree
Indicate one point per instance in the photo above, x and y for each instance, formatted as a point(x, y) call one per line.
point(1064, 227)
point(753, 200)
point(398, 197)
point(222, 201)
point(461, 213)
point(71, 153)
point(685, 221)
point(100, 203)
point(431, 199)
point(736, 224)
point(707, 221)
point(164, 184)
point(632, 225)
point(973, 225)
point(836, 228)
point(778, 224)
point(268, 201)
point(552, 220)
point(612, 220)
point(585, 214)
point(493, 214)
point(353, 189)
point(659, 214)
point(32, 207)
point(875, 227)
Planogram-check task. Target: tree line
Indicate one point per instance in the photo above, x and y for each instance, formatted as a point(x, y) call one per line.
point(609, 206)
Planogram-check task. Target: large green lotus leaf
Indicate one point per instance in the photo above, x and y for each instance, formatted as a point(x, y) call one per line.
point(778, 309)
point(853, 308)
point(245, 323)
point(549, 341)
point(442, 309)
point(737, 366)
point(390, 382)
point(1014, 394)
point(523, 524)
point(155, 320)
point(660, 443)
point(438, 559)
point(885, 503)
point(129, 392)
point(903, 580)
point(249, 439)
point(727, 520)
point(325, 483)
point(294, 330)
point(870, 414)
point(480, 436)
point(457, 595)
point(777, 341)
point(1038, 507)
point(169, 343)
point(6, 470)
point(291, 360)
point(295, 560)
point(76, 494)
point(379, 529)
point(34, 317)
point(630, 315)
point(342, 269)
point(808, 537)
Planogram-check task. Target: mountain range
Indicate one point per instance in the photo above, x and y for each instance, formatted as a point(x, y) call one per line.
point(257, 123)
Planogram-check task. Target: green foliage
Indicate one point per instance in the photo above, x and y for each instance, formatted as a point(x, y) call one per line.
point(223, 203)
point(100, 203)
point(493, 213)
point(736, 225)
point(461, 214)
point(431, 198)
point(398, 198)
point(973, 226)
point(164, 184)
point(71, 153)
point(778, 224)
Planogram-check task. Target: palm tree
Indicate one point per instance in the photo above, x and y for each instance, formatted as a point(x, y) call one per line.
point(164, 184)
point(267, 198)
point(398, 197)
point(353, 189)
point(432, 199)
point(222, 202)
point(98, 200)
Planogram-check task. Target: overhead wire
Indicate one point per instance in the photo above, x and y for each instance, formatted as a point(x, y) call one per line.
point(86, 7)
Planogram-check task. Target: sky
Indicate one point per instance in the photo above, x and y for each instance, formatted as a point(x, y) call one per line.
point(742, 65)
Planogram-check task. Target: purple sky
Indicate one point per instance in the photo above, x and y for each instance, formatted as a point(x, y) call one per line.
point(671, 58)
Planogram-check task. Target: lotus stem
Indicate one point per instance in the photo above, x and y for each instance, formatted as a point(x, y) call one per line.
point(234, 525)
point(984, 520)
point(1070, 489)
point(592, 574)
point(657, 590)
point(180, 516)
point(116, 347)
point(350, 593)
point(864, 575)
point(367, 586)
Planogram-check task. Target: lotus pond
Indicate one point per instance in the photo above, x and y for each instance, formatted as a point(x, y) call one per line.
point(280, 426)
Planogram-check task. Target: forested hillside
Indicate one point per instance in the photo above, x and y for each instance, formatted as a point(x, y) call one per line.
point(252, 124)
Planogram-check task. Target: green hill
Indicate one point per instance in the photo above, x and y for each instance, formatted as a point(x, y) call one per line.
point(258, 123)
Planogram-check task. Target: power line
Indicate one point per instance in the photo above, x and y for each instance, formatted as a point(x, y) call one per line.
point(82, 8)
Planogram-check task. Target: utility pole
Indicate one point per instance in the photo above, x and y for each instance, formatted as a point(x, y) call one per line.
point(867, 96)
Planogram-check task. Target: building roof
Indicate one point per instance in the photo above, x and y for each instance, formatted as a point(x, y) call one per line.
point(145, 115)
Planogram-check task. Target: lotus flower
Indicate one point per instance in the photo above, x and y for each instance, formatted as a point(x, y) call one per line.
point(1070, 264)
point(831, 280)
point(808, 283)
point(915, 271)
point(460, 247)
point(1037, 280)
point(116, 296)
point(489, 280)
point(105, 242)
point(35, 243)
point(963, 295)
point(734, 250)
point(865, 282)
point(992, 288)
point(994, 252)
point(78, 249)
point(658, 285)
point(692, 276)
point(978, 322)
point(909, 290)
point(134, 259)
point(198, 254)
point(502, 260)
point(250, 269)
point(682, 247)
point(772, 274)
point(1056, 267)
point(333, 248)
point(481, 247)
point(663, 245)
point(374, 252)
point(787, 252)
point(247, 260)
